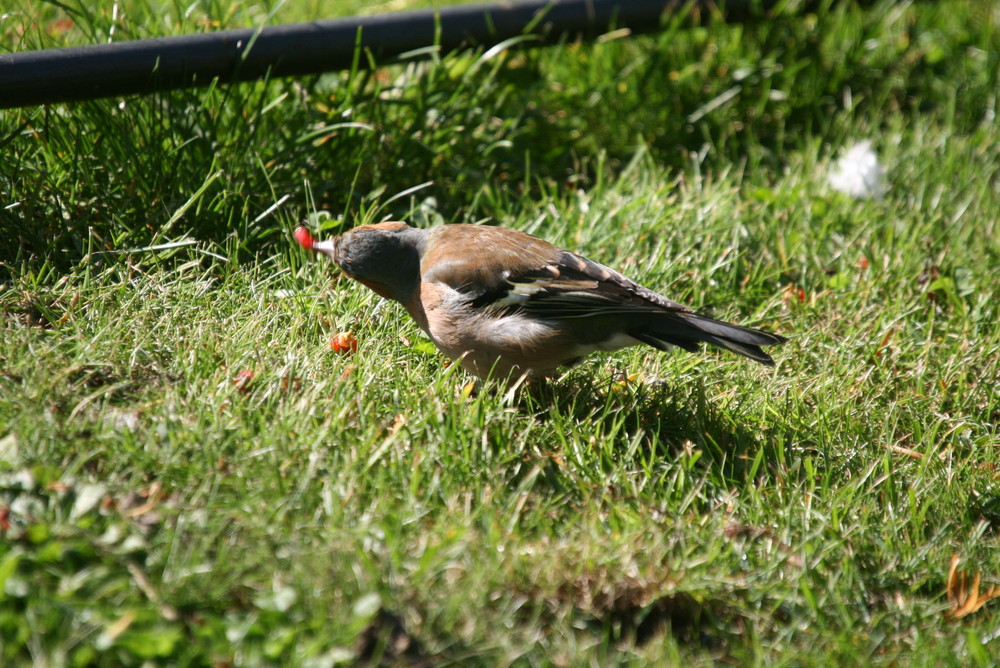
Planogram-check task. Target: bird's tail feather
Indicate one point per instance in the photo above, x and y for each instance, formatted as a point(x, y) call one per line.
point(687, 330)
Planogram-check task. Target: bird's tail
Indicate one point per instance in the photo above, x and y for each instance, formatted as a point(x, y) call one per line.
point(687, 330)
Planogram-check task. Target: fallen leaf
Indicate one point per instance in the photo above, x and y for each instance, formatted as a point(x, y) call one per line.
point(964, 597)
point(133, 508)
point(912, 454)
point(242, 380)
point(885, 341)
point(467, 390)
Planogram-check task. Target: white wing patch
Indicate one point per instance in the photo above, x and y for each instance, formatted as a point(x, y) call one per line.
point(520, 293)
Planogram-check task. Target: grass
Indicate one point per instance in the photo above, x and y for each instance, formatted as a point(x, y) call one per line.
point(653, 508)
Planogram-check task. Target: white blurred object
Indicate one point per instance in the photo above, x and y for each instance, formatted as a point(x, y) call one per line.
point(859, 173)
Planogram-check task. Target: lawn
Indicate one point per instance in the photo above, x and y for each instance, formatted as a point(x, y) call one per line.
point(190, 475)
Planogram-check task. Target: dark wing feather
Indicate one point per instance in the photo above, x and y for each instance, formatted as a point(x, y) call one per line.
point(575, 287)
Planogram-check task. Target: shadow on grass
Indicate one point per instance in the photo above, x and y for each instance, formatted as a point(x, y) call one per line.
point(674, 421)
point(675, 426)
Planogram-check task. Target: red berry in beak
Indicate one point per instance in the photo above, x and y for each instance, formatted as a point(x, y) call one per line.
point(303, 237)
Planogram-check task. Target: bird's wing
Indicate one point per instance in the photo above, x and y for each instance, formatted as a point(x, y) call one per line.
point(503, 270)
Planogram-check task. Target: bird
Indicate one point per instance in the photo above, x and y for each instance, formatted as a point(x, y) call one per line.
point(511, 306)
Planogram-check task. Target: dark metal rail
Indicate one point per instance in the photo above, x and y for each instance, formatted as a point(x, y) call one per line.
point(150, 65)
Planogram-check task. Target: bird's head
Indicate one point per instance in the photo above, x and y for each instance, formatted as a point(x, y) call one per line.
point(385, 257)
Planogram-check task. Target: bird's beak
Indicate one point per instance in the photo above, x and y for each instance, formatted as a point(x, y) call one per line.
point(328, 247)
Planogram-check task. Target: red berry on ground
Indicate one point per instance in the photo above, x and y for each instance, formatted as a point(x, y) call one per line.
point(344, 343)
point(303, 237)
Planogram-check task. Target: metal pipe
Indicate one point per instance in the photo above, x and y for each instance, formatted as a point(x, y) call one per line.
point(150, 65)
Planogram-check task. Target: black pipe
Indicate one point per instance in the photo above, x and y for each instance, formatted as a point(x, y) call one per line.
point(149, 65)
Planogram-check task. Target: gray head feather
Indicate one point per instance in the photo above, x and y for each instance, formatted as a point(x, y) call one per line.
point(386, 257)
